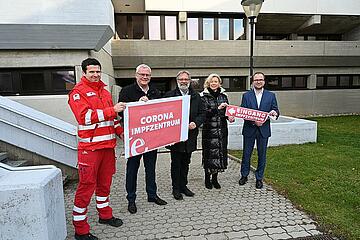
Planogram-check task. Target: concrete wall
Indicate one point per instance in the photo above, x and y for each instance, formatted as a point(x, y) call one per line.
point(67, 24)
point(313, 102)
point(231, 58)
point(345, 7)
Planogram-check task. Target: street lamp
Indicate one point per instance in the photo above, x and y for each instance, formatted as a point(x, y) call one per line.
point(251, 9)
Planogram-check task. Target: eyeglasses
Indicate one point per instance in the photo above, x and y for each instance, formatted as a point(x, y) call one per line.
point(143, 75)
point(184, 79)
point(258, 80)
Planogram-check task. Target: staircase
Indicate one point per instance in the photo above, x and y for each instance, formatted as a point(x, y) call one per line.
point(40, 138)
point(13, 163)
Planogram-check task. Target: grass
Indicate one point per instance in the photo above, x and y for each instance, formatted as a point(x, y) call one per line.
point(322, 178)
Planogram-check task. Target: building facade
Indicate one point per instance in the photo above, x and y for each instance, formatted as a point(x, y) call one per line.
point(309, 50)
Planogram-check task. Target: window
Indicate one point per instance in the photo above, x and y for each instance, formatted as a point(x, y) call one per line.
point(300, 81)
point(356, 81)
point(238, 29)
point(286, 82)
point(162, 84)
point(63, 80)
point(5, 82)
point(199, 26)
point(320, 81)
point(170, 28)
point(154, 28)
point(331, 81)
point(208, 29)
point(224, 29)
point(230, 84)
point(32, 82)
point(344, 81)
point(36, 81)
point(193, 28)
point(337, 81)
point(130, 27)
point(140, 26)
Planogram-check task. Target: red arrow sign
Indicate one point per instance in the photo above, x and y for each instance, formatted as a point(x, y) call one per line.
point(246, 113)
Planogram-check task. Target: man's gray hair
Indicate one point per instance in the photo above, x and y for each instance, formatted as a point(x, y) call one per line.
point(142, 66)
point(181, 72)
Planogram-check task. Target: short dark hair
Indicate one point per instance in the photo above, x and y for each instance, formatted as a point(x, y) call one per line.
point(89, 61)
point(256, 73)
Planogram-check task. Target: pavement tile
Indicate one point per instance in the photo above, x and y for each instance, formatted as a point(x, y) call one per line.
point(274, 230)
point(257, 232)
point(240, 234)
point(264, 237)
point(299, 234)
point(228, 213)
point(278, 236)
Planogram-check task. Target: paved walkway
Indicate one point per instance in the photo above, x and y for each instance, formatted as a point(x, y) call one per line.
point(233, 212)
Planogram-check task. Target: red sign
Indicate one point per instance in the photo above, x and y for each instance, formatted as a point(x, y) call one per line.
point(246, 113)
point(154, 124)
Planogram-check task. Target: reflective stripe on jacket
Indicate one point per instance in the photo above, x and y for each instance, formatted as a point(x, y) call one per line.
point(94, 111)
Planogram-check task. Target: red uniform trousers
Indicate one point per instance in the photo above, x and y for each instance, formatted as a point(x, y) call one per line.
point(96, 169)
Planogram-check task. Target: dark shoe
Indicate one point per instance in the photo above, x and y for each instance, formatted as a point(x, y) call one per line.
point(132, 207)
point(88, 236)
point(187, 192)
point(259, 184)
point(215, 182)
point(157, 201)
point(243, 180)
point(114, 222)
point(208, 183)
point(177, 195)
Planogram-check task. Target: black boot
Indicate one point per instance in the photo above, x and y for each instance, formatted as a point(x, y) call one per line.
point(208, 183)
point(215, 182)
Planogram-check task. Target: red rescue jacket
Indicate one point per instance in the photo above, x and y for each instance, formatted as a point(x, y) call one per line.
point(94, 111)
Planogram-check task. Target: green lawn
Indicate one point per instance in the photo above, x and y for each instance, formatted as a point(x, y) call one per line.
point(322, 178)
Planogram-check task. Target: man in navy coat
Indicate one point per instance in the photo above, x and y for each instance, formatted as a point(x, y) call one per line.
point(259, 99)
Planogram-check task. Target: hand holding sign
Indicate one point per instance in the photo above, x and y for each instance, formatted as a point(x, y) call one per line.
point(247, 114)
point(273, 114)
point(223, 105)
point(119, 107)
point(192, 125)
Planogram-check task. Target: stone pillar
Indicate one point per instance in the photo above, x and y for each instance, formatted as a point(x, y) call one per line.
point(311, 81)
point(182, 25)
point(31, 203)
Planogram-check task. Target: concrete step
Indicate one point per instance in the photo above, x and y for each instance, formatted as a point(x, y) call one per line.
point(3, 156)
point(16, 163)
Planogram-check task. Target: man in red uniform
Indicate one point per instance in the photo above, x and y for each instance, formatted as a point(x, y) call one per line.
point(96, 115)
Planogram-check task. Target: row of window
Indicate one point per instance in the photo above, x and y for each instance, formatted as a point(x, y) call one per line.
point(319, 37)
point(35, 81)
point(199, 27)
point(337, 81)
point(165, 27)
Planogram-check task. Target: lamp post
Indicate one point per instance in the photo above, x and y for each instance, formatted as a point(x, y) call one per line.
point(251, 9)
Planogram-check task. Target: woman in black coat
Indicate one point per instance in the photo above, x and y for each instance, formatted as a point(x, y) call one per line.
point(215, 130)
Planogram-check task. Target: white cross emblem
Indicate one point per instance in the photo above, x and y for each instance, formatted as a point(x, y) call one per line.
point(89, 94)
point(76, 96)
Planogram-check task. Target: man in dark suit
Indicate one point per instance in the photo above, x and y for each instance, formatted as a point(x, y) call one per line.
point(181, 151)
point(141, 90)
point(259, 99)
